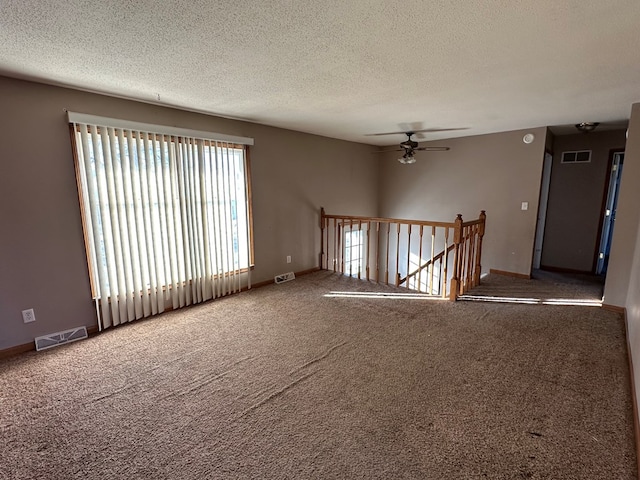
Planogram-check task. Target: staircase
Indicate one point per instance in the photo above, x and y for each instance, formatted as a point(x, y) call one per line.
point(440, 259)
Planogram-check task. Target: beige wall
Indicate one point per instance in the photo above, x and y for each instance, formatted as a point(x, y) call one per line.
point(494, 172)
point(632, 305)
point(575, 200)
point(622, 287)
point(42, 259)
point(621, 269)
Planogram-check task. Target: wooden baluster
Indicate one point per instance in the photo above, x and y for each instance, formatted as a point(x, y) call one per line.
point(437, 275)
point(326, 244)
point(367, 252)
point(463, 257)
point(322, 229)
point(420, 258)
point(478, 271)
point(398, 256)
point(335, 244)
point(440, 284)
point(360, 248)
point(470, 260)
point(340, 253)
point(408, 256)
point(377, 242)
point(386, 274)
point(433, 246)
point(443, 281)
point(350, 247)
point(457, 239)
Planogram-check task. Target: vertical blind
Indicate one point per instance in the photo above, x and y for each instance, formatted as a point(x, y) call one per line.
point(166, 219)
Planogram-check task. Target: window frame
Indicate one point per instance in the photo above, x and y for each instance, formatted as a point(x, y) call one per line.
point(73, 132)
point(575, 160)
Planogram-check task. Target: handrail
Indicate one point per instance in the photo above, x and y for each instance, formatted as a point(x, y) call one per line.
point(439, 255)
point(427, 264)
point(401, 221)
point(473, 222)
point(377, 248)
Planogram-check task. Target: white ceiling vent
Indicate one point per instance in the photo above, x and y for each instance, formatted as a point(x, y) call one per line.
point(59, 338)
point(578, 156)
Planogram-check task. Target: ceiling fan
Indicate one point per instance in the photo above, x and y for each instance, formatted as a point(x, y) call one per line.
point(409, 146)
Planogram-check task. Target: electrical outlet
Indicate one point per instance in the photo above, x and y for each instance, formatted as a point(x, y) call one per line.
point(288, 258)
point(28, 316)
point(525, 206)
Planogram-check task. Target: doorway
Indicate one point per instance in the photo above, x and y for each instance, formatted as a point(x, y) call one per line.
point(542, 209)
point(609, 214)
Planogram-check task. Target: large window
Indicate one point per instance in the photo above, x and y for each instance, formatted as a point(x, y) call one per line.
point(166, 218)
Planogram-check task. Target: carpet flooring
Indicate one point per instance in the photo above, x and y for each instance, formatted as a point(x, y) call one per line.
point(328, 377)
point(544, 286)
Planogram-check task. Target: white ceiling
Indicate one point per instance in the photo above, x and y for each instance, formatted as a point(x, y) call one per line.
point(340, 68)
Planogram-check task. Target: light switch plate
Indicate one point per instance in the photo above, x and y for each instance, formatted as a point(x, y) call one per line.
point(525, 206)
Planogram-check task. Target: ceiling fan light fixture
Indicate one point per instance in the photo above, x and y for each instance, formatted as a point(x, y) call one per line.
point(586, 127)
point(407, 158)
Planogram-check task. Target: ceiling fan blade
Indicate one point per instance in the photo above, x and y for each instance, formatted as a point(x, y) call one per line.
point(419, 149)
point(433, 149)
point(387, 151)
point(427, 130)
point(417, 131)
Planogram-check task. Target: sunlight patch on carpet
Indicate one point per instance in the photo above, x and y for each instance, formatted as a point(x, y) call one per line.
point(384, 295)
point(534, 301)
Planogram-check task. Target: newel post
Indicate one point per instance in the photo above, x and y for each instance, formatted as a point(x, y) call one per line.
point(457, 240)
point(478, 270)
point(322, 250)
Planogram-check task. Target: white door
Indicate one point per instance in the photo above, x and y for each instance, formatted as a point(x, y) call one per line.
point(542, 209)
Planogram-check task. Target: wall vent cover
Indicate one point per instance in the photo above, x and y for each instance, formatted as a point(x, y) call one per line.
point(60, 338)
point(284, 277)
point(578, 156)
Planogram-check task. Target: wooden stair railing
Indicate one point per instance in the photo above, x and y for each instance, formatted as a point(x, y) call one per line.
point(424, 266)
point(377, 249)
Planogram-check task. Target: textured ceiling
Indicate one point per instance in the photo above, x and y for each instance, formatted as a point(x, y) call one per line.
point(342, 69)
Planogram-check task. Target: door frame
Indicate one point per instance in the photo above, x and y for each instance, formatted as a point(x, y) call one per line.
point(543, 204)
point(603, 207)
